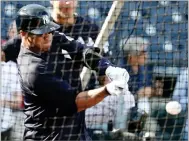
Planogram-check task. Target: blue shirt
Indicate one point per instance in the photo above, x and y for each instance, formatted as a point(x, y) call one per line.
point(50, 82)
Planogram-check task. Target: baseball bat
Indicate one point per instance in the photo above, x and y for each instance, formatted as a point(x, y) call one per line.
point(102, 37)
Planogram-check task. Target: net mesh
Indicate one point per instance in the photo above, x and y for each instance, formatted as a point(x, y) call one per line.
point(154, 33)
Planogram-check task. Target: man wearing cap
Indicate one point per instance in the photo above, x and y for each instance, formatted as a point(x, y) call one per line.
point(135, 55)
point(71, 24)
point(140, 82)
point(54, 106)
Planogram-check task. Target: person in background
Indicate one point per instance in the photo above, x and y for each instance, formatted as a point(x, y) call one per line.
point(140, 83)
point(180, 94)
point(149, 93)
point(134, 60)
point(12, 31)
point(72, 24)
point(11, 100)
point(17, 113)
point(166, 89)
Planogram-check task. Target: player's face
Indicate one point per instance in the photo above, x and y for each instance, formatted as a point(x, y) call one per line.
point(41, 42)
point(64, 8)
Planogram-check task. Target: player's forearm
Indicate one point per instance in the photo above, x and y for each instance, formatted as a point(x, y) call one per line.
point(90, 98)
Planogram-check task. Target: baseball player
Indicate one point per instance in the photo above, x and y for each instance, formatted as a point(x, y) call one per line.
point(71, 24)
point(54, 105)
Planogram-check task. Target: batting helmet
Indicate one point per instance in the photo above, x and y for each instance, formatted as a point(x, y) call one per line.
point(35, 19)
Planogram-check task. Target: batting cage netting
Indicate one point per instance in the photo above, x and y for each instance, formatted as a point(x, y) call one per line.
point(39, 87)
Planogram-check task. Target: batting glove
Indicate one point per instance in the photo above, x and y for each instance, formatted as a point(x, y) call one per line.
point(116, 87)
point(118, 74)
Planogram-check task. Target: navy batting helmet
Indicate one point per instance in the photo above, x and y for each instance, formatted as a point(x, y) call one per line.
point(35, 19)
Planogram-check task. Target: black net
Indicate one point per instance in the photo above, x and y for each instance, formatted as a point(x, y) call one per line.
point(149, 39)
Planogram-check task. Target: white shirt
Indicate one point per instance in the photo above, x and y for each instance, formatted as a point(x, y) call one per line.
point(180, 93)
point(9, 84)
point(113, 108)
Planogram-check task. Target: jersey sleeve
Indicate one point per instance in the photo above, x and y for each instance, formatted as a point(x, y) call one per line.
point(12, 48)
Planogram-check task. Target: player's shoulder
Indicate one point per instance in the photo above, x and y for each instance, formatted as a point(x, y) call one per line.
point(30, 65)
point(29, 60)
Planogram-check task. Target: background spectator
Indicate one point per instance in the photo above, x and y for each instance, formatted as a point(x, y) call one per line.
point(11, 99)
point(140, 82)
point(18, 127)
point(135, 55)
point(12, 30)
point(180, 94)
point(170, 126)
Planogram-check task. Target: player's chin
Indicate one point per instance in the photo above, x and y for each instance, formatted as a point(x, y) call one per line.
point(46, 46)
point(62, 15)
point(65, 15)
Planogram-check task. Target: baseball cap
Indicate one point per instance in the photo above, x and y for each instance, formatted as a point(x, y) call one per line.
point(135, 45)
